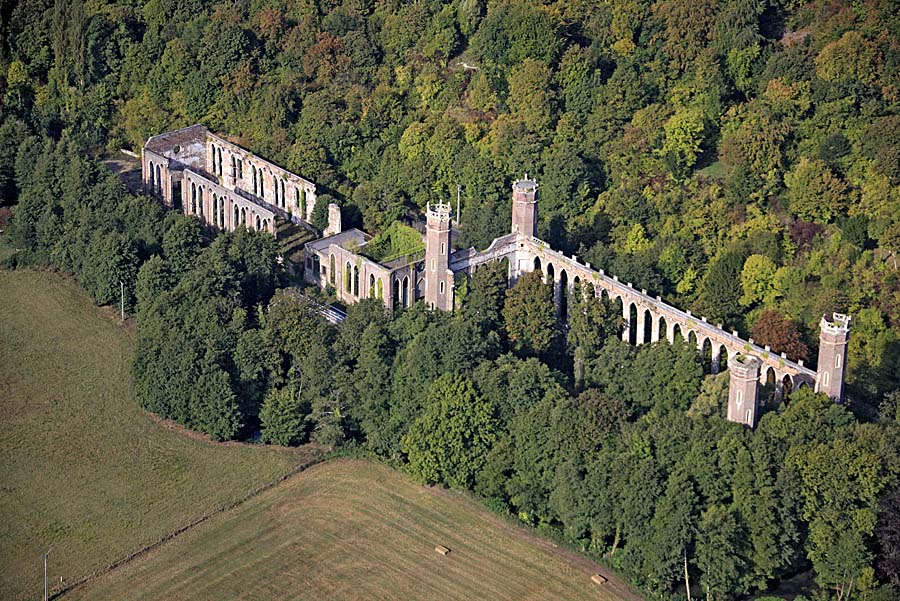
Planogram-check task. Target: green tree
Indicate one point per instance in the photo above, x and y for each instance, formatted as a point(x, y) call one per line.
point(450, 441)
point(717, 553)
point(283, 417)
point(529, 314)
point(182, 243)
point(758, 280)
point(814, 192)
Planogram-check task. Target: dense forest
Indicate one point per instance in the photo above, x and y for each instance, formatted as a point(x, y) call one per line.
point(739, 157)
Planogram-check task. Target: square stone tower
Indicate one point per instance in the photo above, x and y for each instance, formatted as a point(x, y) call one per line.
point(833, 337)
point(438, 277)
point(742, 389)
point(524, 209)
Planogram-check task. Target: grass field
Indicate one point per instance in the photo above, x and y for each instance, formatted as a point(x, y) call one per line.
point(82, 469)
point(353, 529)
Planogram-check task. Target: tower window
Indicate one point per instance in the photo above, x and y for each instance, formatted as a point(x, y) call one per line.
point(443, 248)
point(749, 417)
point(825, 379)
point(740, 397)
point(837, 361)
point(433, 265)
point(441, 287)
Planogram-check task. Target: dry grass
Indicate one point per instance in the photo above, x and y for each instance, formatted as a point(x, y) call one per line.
point(353, 529)
point(82, 468)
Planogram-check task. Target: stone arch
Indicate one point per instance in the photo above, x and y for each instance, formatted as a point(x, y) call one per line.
point(215, 207)
point(283, 203)
point(692, 339)
point(551, 275)
point(233, 167)
point(158, 179)
point(200, 201)
point(676, 333)
point(265, 225)
point(405, 292)
point(647, 333)
point(222, 212)
point(371, 285)
point(356, 281)
point(563, 295)
point(537, 264)
point(331, 269)
point(256, 223)
point(220, 161)
point(255, 178)
point(397, 293)
point(619, 308)
point(237, 218)
point(768, 390)
point(706, 354)
point(663, 328)
point(720, 360)
point(632, 323)
point(152, 177)
point(420, 287)
point(787, 386)
point(379, 289)
point(348, 269)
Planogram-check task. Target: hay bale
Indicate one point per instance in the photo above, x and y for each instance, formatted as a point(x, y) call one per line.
point(442, 549)
point(598, 579)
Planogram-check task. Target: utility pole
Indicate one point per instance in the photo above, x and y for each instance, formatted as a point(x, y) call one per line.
point(122, 302)
point(46, 579)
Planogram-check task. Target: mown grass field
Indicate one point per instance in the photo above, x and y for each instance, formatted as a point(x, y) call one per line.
point(354, 529)
point(82, 468)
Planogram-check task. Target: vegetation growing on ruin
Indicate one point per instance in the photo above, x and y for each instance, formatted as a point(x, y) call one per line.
point(395, 241)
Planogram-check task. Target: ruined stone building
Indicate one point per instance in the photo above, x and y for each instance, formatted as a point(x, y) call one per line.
point(234, 187)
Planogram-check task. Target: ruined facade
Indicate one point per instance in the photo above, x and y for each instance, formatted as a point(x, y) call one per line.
point(225, 186)
point(199, 173)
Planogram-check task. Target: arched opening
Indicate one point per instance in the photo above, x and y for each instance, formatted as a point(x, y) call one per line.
point(787, 387)
point(371, 285)
point(397, 298)
point(303, 203)
point(244, 216)
point(647, 334)
point(720, 360)
point(257, 223)
point(237, 217)
point(265, 225)
point(706, 355)
point(158, 180)
point(331, 269)
point(767, 391)
point(283, 204)
point(537, 264)
point(551, 275)
point(356, 281)
point(253, 167)
point(405, 291)
point(347, 272)
point(262, 184)
point(222, 213)
point(632, 323)
point(152, 177)
point(200, 201)
point(379, 289)
point(676, 333)
point(220, 161)
point(663, 329)
point(215, 207)
point(620, 310)
point(563, 295)
point(233, 167)
point(692, 339)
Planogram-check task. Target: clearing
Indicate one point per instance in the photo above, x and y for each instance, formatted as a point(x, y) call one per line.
point(355, 529)
point(82, 468)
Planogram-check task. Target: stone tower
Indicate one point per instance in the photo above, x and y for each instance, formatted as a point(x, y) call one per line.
point(833, 335)
point(438, 277)
point(744, 371)
point(524, 210)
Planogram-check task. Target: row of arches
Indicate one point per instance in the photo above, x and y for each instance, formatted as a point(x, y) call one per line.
point(642, 326)
point(155, 178)
point(239, 215)
point(258, 182)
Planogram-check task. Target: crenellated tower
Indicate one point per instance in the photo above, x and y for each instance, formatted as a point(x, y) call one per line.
point(524, 209)
point(833, 337)
point(438, 277)
point(742, 389)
